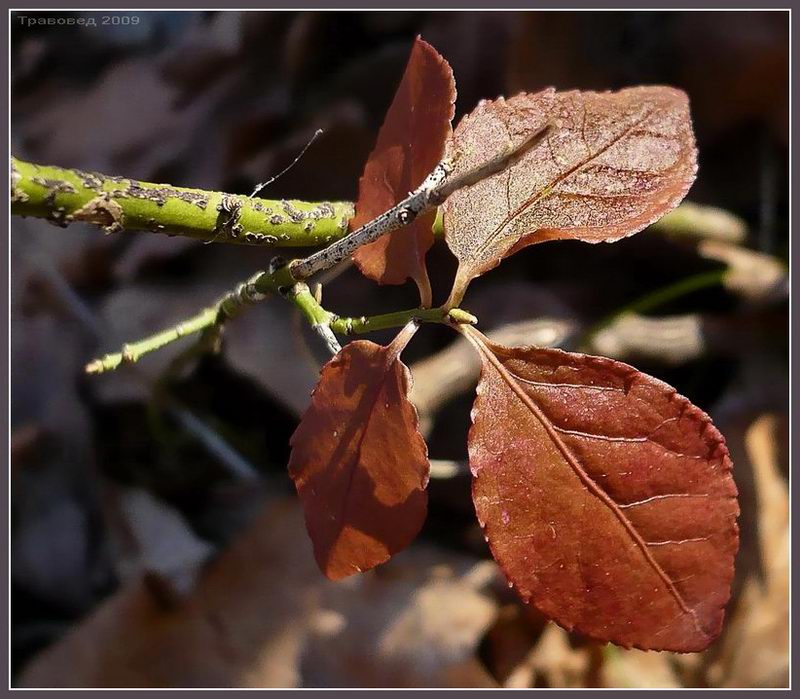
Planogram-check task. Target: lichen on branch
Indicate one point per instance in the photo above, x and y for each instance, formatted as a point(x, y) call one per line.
point(63, 196)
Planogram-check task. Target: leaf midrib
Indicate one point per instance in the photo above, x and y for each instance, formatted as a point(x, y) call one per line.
point(545, 191)
point(598, 492)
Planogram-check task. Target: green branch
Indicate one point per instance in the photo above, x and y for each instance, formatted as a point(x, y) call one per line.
point(62, 196)
point(133, 351)
point(312, 309)
point(210, 320)
point(659, 297)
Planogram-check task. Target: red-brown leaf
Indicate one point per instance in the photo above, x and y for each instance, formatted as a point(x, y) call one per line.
point(611, 164)
point(606, 497)
point(358, 461)
point(410, 144)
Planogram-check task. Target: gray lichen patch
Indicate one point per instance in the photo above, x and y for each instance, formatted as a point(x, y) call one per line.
point(230, 211)
point(321, 211)
point(160, 195)
point(59, 217)
point(55, 186)
point(102, 211)
point(262, 238)
point(17, 195)
point(292, 212)
point(91, 180)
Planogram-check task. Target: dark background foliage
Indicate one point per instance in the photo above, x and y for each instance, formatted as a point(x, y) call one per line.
point(224, 100)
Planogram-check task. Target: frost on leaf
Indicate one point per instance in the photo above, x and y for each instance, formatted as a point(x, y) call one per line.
point(606, 497)
point(609, 165)
point(358, 461)
point(410, 144)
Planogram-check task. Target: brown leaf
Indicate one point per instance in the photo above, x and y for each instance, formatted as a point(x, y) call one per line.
point(358, 460)
point(242, 626)
point(410, 144)
point(605, 496)
point(419, 623)
point(261, 616)
point(755, 649)
point(635, 668)
point(552, 663)
point(610, 164)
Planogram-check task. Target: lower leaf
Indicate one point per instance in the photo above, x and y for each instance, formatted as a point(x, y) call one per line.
point(606, 497)
point(358, 461)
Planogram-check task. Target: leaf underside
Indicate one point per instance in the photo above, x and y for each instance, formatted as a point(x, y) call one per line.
point(610, 164)
point(410, 144)
point(605, 496)
point(358, 461)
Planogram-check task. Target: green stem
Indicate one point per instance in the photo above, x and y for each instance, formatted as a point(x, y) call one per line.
point(316, 315)
point(208, 320)
point(63, 196)
point(398, 319)
point(133, 351)
point(323, 321)
point(657, 298)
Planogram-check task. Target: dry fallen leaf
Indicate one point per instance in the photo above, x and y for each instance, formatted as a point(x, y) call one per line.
point(358, 460)
point(755, 649)
point(261, 616)
point(415, 622)
point(552, 663)
point(602, 166)
point(410, 144)
point(605, 496)
point(241, 627)
point(636, 668)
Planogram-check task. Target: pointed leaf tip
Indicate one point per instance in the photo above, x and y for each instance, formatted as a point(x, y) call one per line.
point(410, 144)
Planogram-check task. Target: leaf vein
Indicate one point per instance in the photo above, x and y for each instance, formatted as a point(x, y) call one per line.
point(544, 191)
point(588, 482)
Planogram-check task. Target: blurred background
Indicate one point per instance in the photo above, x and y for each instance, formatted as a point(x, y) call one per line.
point(156, 537)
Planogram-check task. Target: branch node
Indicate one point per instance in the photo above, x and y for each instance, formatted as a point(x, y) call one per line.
point(461, 317)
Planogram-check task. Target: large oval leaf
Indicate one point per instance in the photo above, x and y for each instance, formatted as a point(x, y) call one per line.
point(358, 461)
point(610, 164)
point(606, 498)
point(410, 144)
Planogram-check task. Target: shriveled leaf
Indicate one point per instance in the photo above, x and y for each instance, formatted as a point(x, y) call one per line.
point(419, 624)
point(242, 625)
point(608, 165)
point(358, 460)
point(260, 616)
point(605, 496)
point(754, 652)
point(410, 144)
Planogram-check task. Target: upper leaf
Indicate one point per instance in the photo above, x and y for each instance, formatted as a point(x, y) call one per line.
point(606, 497)
point(358, 461)
point(410, 144)
point(609, 164)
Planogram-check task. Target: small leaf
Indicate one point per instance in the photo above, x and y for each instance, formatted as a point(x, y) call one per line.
point(605, 496)
point(609, 164)
point(358, 461)
point(410, 144)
